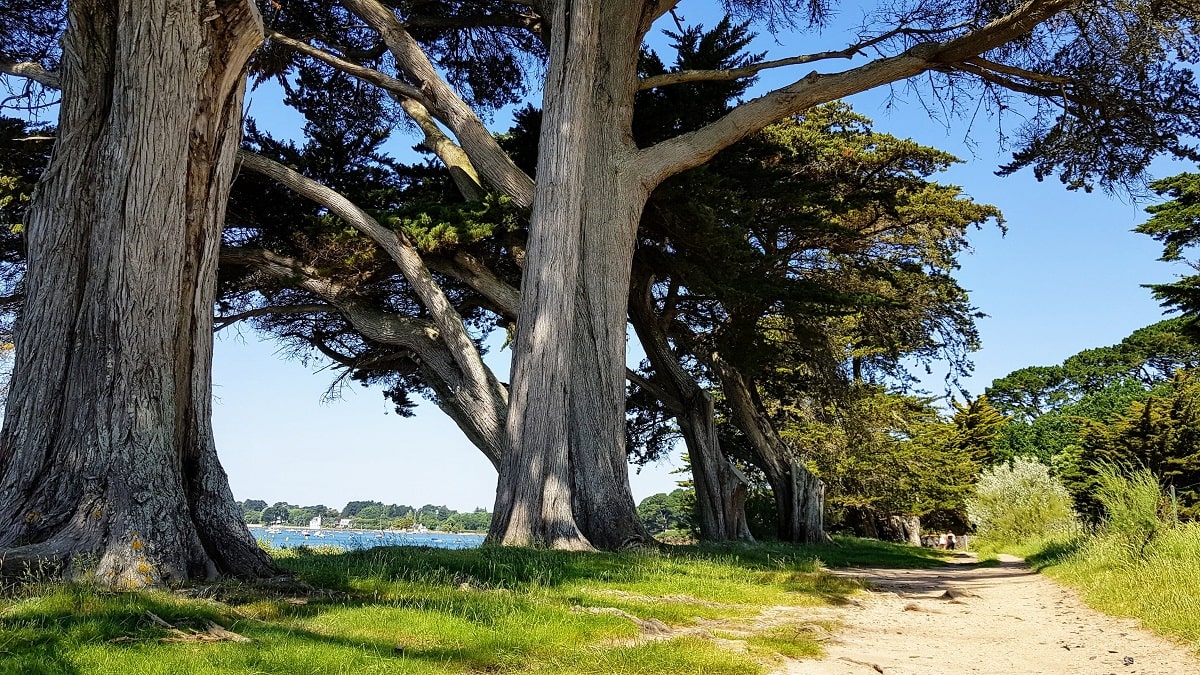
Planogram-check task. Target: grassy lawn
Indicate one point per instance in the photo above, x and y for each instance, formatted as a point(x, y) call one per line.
point(421, 610)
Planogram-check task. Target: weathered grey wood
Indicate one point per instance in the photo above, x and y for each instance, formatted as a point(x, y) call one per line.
point(566, 482)
point(107, 460)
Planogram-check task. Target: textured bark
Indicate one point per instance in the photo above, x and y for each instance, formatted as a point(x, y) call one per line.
point(565, 482)
point(799, 495)
point(107, 461)
point(721, 490)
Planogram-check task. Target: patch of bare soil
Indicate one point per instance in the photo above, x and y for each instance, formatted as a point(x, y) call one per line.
point(969, 619)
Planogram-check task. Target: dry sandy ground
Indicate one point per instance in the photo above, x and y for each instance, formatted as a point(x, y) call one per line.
point(968, 619)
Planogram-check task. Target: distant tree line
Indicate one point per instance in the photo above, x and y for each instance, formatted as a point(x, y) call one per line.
point(367, 515)
point(1132, 405)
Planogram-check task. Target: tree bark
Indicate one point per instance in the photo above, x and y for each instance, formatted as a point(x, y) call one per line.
point(799, 495)
point(565, 483)
point(721, 490)
point(107, 460)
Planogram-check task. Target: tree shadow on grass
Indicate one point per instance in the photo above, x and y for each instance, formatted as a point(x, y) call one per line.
point(486, 590)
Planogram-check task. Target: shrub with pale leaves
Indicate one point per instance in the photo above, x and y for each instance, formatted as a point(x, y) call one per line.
point(1020, 501)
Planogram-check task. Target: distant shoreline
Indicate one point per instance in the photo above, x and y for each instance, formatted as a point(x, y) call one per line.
point(302, 528)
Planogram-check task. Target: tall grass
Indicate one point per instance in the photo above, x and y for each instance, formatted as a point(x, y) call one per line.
point(1141, 563)
point(419, 610)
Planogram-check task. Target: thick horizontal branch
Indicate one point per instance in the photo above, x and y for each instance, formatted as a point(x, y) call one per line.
point(685, 76)
point(504, 298)
point(32, 71)
point(692, 149)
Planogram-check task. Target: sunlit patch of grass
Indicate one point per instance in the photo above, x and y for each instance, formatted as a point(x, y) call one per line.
point(793, 640)
point(421, 610)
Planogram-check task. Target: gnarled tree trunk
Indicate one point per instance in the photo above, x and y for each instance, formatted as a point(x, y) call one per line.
point(721, 489)
point(799, 495)
point(565, 481)
point(107, 460)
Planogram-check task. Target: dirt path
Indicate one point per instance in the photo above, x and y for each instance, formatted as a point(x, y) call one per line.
point(996, 620)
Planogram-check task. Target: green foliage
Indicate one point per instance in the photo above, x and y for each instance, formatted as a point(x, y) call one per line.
point(1135, 508)
point(1052, 406)
point(1018, 502)
point(1175, 223)
point(889, 452)
point(1028, 392)
point(669, 512)
point(977, 424)
point(1160, 433)
point(1147, 356)
point(440, 227)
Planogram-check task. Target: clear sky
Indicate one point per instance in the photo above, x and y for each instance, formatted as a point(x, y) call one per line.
point(1066, 277)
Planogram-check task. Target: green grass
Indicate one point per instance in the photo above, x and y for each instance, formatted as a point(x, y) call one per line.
point(420, 610)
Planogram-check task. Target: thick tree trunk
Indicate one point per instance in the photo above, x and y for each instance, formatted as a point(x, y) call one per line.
point(565, 481)
point(799, 495)
point(107, 460)
point(721, 490)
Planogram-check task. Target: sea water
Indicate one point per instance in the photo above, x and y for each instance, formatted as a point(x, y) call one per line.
point(351, 540)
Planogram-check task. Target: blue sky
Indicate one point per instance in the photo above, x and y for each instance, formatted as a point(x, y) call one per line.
point(1066, 277)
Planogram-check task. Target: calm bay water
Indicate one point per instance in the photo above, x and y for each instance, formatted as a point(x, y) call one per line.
point(360, 539)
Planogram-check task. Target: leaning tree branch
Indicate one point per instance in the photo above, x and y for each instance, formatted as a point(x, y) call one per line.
point(692, 149)
point(672, 403)
point(504, 298)
point(856, 49)
point(413, 101)
point(381, 80)
point(406, 256)
point(478, 406)
point(32, 71)
point(486, 154)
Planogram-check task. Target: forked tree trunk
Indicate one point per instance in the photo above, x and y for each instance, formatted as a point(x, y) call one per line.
point(107, 460)
point(799, 495)
point(565, 481)
point(721, 490)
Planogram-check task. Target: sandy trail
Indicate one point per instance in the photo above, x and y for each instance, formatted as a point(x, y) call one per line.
point(968, 619)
